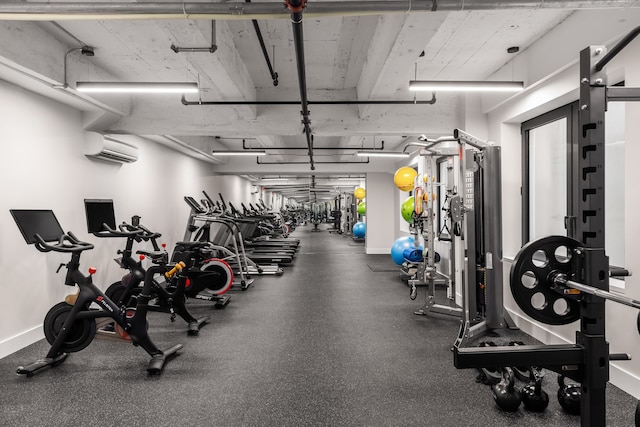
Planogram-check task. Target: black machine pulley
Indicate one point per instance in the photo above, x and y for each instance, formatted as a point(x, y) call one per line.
point(532, 284)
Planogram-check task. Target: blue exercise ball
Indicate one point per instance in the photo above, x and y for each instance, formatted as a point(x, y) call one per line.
point(399, 246)
point(359, 230)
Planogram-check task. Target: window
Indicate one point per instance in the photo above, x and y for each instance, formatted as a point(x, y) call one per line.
point(546, 178)
point(549, 197)
point(614, 183)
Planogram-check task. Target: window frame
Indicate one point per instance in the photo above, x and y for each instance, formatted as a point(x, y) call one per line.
point(570, 113)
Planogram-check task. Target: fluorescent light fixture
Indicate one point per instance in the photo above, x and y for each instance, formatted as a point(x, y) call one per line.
point(276, 179)
point(466, 86)
point(136, 87)
point(239, 153)
point(365, 153)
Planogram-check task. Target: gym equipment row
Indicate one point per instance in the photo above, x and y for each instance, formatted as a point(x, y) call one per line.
point(225, 231)
point(120, 313)
point(71, 326)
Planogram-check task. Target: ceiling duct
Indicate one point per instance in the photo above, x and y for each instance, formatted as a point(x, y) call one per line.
point(60, 11)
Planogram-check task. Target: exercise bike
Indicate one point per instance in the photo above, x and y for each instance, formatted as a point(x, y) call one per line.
point(70, 326)
point(169, 298)
point(207, 280)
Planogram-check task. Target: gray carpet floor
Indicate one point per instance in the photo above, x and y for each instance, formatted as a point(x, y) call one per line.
point(330, 343)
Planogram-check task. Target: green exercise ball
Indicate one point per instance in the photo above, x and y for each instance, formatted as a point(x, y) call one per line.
point(362, 208)
point(407, 210)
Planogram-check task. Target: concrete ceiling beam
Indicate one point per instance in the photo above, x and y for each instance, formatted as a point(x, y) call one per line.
point(392, 54)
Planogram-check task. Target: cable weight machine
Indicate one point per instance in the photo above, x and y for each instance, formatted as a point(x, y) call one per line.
point(475, 212)
point(557, 279)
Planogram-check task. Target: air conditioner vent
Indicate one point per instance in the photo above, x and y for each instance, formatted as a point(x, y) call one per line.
point(109, 148)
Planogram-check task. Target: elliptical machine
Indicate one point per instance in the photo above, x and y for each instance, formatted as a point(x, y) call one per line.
point(70, 326)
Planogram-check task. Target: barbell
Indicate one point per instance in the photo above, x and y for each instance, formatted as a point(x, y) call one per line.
point(542, 285)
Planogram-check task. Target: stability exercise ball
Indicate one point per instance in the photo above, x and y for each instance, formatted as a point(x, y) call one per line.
point(399, 246)
point(359, 193)
point(359, 230)
point(403, 178)
point(407, 210)
point(362, 208)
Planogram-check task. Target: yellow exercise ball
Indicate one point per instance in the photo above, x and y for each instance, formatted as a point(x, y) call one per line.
point(359, 193)
point(404, 177)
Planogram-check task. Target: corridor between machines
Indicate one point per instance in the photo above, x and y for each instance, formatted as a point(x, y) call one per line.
point(331, 342)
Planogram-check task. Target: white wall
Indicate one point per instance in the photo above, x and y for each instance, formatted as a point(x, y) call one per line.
point(234, 189)
point(44, 168)
point(504, 127)
point(382, 211)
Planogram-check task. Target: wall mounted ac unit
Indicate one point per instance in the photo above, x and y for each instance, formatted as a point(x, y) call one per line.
point(109, 148)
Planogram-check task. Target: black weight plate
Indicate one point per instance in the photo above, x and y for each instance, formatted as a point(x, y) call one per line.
point(531, 280)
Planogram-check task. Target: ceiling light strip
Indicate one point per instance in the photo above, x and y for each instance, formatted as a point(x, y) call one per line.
point(137, 87)
point(465, 86)
point(238, 153)
point(365, 153)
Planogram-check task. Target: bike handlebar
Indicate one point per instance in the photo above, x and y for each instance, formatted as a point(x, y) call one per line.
point(140, 231)
point(110, 232)
point(68, 243)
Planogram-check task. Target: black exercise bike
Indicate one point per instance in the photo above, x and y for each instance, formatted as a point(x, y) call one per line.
point(168, 296)
point(70, 326)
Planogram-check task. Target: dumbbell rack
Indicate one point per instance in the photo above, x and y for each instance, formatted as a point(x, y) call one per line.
point(586, 361)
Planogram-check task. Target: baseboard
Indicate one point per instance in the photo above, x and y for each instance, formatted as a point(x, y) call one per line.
point(618, 376)
point(624, 380)
point(18, 342)
point(377, 251)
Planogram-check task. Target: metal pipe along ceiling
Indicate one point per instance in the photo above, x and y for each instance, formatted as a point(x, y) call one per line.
point(256, 27)
point(348, 102)
point(44, 11)
point(296, 7)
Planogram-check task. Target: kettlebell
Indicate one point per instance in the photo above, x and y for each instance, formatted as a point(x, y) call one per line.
point(489, 376)
point(504, 393)
point(534, 398)
point(569, 396)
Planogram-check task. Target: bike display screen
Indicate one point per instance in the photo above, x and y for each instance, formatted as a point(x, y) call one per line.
point(99, 212)
point(37, 221)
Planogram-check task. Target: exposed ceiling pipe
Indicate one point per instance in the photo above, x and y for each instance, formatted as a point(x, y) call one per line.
point(274, 75)
point(306, 163)
point(348, 102)
point(60, 11)
point(244, 147)
point(296, 7)
point(211, 48)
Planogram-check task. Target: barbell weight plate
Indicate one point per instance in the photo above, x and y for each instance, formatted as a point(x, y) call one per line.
point(532, 284)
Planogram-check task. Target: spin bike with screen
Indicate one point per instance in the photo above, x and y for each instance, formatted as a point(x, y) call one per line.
point(70, 326)
point(168, 296)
